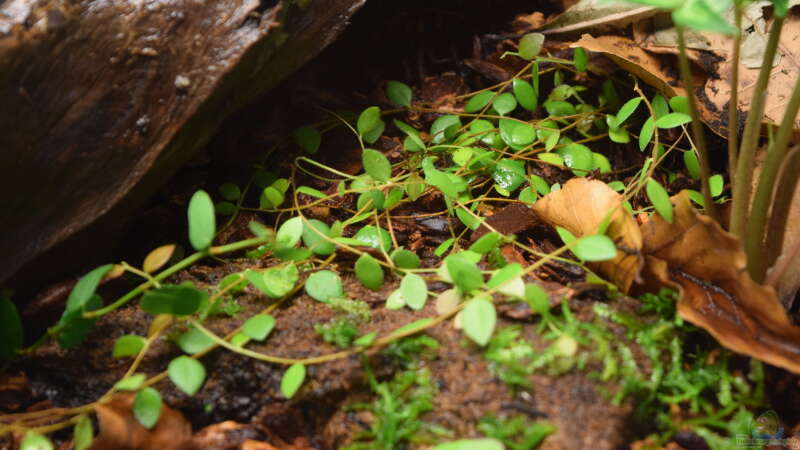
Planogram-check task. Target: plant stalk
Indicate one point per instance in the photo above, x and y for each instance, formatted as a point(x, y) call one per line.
point(698, 134)
point(743, 188)
point(781, 205)
point(756, 242)
point(733, 104)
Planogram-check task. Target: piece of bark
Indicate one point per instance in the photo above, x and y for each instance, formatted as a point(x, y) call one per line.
point(103, 100)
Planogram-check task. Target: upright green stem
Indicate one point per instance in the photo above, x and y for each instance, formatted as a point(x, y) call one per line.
point(733, 104)
point(755, 241)
point(743, 188)
point(698, 135)
point(782, 204)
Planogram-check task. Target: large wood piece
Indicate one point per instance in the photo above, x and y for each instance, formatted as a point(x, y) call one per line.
point(100, 100)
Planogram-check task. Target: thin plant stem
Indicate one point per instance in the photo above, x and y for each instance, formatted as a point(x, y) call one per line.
point(742, 189)
point(733, 104)
point(781, 205)
point(755, 241)
point(698, 134)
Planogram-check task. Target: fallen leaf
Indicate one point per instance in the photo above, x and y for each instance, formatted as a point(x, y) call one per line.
point(709, 266)
point(630, 56)
point(514, 218)
point(581, 206)
point(119, 429)
point(595, 14)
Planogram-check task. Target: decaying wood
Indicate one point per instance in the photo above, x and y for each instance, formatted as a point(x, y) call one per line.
point(100, 100)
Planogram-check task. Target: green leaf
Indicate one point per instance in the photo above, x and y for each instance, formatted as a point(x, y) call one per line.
point(276, 281)
point(509, 174)
point(479, 101)
point(308, 138)
point(314, 233)
point(626, 111)
point(421, 323)
point(577, 157)
point(551, 158)
point(132, 383)
point(230, 192)
point(395, 300)
point(324, 286)
point(271, 198)
point(660, 199)
point(443, 247)
point(398, 93)
point(414, 290)
point(202, 222)
point(559, 108)
point(411, 133)
point(479, 319)
point(74, 331)
point(194, 341)
point(540, 184)
point(466, 276)
point(128, 345)
point(525, 94)
point(516, 134)
point(83, 292)
point(376, 165)
point(469, 220)
point(601, 163)
point(11, 333)
point(673, 120)
point(692, 164)
point(187, 373)
point(35, 441)
point(180, 300)
point(83, 433)
point(580, 59)
point(781, 7)
point(537, 298)
point(646, 133)
point(147, 407)
point(369, 272)
point(368, 120)
point(679, 104)
point(225, 208)
point(405, 259)
point(472, 444)
point(311, 191)
point(375, 237)
point(290, 232)
point(595, 248)
point(292, 379)
point(504, 103)
point(486, 243)
point(530, 45)
point(508, 280)
point(444, 128)
point(715, 184)
point(259, 326)
point(366, 340)
point(619, 135)
point(700, 15)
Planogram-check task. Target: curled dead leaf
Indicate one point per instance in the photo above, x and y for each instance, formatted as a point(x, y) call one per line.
point(119, 429)
point(709, 266)
point(581, 206)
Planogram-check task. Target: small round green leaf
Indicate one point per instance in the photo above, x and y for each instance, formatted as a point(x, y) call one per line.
point(308, 138)
point(374, 236)
point(194, 341)
point(472, 444)
point(230, 192)
point(479, 319)
point(525, 94)
point(580, 59)
point(627, 109)
point(398, 93)
point(692, 164)
point(537, 298)
point(414, 290)
point(128, 345)
point(314, 233)
point(202, 222)
point(405, 259)
point(147, 407)
point(715, 184)
point(530, 45)
point(486, 243)
point(324, 285)
point(187, 373)
point(180, 300)
point(646, 133)
point(504, 103)
point(673, 120)
point(369, 272)
point(368, 120)
point(595, 248)
point(479, 101)
point(292, 380)
point(516, 134)
point(35, 441)
point(577, 157)
point(660, 199)
point(445, 128)
point(259, 326)
point(132, 383)
point(290, 232)
point(83, 433)
point(463, 273)
point(376, 165)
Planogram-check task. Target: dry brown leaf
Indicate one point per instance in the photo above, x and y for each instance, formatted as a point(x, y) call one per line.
point(119, 429)
point(595, 14)
point(630, 56)
point(717, 294)
point(580, 206)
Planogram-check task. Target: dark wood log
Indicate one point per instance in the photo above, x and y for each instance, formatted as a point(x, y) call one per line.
point(101, 100)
